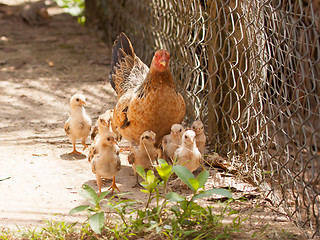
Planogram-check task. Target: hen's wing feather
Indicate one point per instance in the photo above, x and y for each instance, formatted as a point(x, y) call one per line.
point(127, 70)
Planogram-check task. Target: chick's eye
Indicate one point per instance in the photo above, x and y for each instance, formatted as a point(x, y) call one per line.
point(180, 130)
point(186, 137)
point(146, 137)
point(77, 99)
point(108, 139)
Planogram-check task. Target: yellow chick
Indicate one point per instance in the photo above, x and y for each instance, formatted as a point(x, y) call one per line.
point(107, 163)
point(145, 154)
point(79, 123)
point(172, 141)
point(197, 127)
point(188, 154)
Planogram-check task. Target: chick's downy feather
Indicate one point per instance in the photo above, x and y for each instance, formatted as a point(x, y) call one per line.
point(172, 141)
point(106, 164)
point(145, 154)
point(79, 123)
point(198, 128)
point(147, 98)
point(188, 154)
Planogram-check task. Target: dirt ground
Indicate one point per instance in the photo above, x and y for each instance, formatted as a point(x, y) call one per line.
point(41, 67)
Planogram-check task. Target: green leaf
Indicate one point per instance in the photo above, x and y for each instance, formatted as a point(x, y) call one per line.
point(102, 195)
point(194, 183)
point(150, 177)
point(141, 172)
point(174, 197)
point(96, 222)
point(164, 170)
point(162, 161)
point(184, 174)
point(144, 191)
point(202, 178)
point(78, 209)
point(208, 193)
point(89, 193)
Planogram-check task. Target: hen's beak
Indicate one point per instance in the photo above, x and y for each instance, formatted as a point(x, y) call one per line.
point(163, 63)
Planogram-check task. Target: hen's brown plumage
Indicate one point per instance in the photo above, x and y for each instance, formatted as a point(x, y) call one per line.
point(147, 98)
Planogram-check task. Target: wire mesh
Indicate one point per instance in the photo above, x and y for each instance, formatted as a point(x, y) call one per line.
point(250, 70)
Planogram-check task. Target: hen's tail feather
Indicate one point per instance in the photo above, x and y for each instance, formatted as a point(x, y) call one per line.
point(122, 47)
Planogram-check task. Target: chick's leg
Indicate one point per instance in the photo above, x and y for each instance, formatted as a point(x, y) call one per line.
point(114, 185)
point(83, 142)
point(99, 183)
point(74, 148)
point(137, 185)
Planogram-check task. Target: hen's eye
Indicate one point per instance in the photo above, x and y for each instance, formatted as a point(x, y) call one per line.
point(77, 99)
point(146, 137)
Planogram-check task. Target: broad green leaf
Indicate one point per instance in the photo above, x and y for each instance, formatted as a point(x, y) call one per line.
point(174, 197)
point(96, 222)
point(141, 172)
point(194, 183)
point(184, 174)
point(202, 178)
point(89, 193)
point(162, 161)
point(78, 209)
point(208, 193)
point(164, 170)
point(150, 177)
point(152, 186)
point(102, 195)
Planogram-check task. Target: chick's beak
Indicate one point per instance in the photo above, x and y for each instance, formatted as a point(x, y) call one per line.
point(83, 102)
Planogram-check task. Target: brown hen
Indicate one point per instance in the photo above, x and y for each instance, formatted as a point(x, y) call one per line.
point(147, 98)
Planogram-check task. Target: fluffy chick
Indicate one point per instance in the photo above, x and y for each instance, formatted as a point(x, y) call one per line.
point(107, 163)
point(79, 123)
point(103, 124)
point(144, 154)
point(197, 127)
point(102, 127)
point(188, 154)
point(172, 141)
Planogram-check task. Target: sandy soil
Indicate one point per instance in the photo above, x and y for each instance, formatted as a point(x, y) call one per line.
point(41, 67)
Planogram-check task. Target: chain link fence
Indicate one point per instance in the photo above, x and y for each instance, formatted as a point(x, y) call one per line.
point(250, 70)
